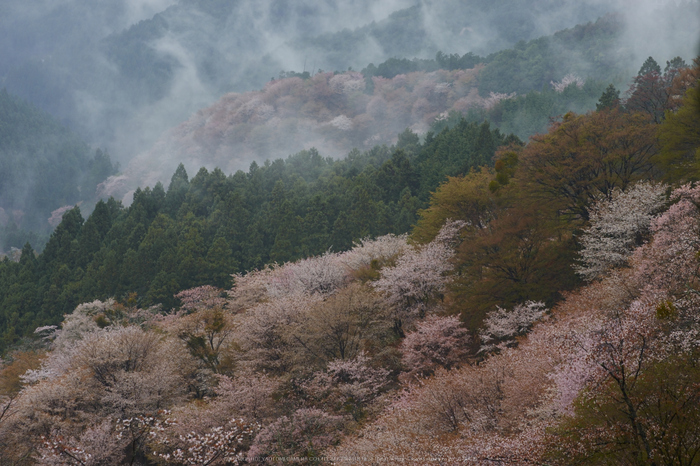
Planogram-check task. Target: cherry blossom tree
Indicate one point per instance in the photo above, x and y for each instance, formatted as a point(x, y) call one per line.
point(109, 373)
point(263, 334)
point(502, 324)
point(201, 297)
point(340, 326)
point(436, 342)
point(248, 395)
point(189, 441)
point(415, 284)
point(97, 445)
point(617, 226)
point(568, 80)
point(347, 385)
point(494, 98)
point(383, 248)
point(315, 275)
point(304, 435)
point(669, 262)
point(632, 404)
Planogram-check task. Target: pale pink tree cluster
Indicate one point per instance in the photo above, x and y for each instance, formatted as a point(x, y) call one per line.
point(436, 342)
point(609, 362)
point(315, 275)
point(608, 334)
point(496, 412)
point(305, 332)
point(249, 395)
point(381, 249)
point(304, 434)
point(97, 445)
point(201, 297)
point(254, 110)
point(291, 114)
point(502, 324)
point(81, 324)
point(357, 378)
point(263, 334)
point(347, 83)
point(320, 274)
point(114, 186)
point(340, 326)
point(309, 310)
point(57, 215)
point(418, 423)
point(341, 122)
point(632, 334)
point(494, 98)
point(347, 385)
point(162, 437)
point(568, 80)
point(617, 346)
point(108, 373)
point(414, 286)
point(174, 442)
point(618, 225)
point(204, 326)
point(670, 262)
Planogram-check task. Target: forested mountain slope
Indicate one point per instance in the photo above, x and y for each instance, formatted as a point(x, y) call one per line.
point(543, 310)
point(336, 112)
point(122, 72)
point(203, 229)
point(120, 68)
point(43, 166)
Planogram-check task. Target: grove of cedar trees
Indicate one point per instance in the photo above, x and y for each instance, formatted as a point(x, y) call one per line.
point(543, 308)
point(202, 229)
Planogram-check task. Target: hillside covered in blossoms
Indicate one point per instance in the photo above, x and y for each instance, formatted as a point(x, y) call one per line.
point(473, 299)
point(357, 232)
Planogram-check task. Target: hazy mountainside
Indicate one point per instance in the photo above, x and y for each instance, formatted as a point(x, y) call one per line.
point(43, 166)
point(336, 112)
point(123, 72)
point(202, 229)
point(333, 113)
point(136, 80)
point(430, 26)
point(544, 309)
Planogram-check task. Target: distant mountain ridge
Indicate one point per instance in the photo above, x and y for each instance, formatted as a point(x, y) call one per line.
point(336, 112)
point(121, 85)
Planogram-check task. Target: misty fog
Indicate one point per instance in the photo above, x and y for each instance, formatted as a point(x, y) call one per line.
point(150, 80)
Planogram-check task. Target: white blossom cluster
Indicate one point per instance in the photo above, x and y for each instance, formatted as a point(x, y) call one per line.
point(567, 81)
point(502, 324)
point(347, 83)
point(341, 122)
point(617, 226)
point(420, 275)
point(367, 250)
point(494, 98)
point(256, 110)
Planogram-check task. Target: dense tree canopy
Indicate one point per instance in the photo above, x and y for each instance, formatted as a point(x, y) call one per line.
point(202, 229)
point(43, 166)
point(518, 359)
